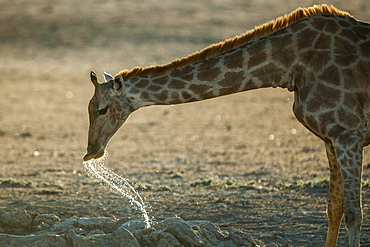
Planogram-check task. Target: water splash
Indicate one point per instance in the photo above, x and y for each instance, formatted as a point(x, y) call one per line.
point(97, 169)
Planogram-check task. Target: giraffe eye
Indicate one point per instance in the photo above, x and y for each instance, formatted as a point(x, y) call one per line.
point(102, 111)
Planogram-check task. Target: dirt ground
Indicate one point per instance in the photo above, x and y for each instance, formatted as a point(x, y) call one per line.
point(240, 161)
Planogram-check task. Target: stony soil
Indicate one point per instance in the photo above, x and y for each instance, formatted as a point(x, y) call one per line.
point(241, 162)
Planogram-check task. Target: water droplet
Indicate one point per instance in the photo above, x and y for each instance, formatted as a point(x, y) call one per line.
point(293, 131)
point(271, 137)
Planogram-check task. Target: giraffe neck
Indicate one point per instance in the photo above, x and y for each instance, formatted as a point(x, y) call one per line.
point(248, 67)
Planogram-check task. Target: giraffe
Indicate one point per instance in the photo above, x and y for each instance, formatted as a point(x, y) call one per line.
point(321, 54)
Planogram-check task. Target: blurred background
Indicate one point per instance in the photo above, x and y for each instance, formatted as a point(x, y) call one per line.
point(48, 48)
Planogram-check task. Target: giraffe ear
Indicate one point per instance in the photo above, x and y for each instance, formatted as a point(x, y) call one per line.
point(94, 78)
point(118, 82)
point(107, 76)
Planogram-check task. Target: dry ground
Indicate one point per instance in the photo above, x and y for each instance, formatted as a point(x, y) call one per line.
point(240, 161)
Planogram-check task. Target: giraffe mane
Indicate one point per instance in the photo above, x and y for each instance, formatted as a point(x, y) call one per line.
point(237, 41)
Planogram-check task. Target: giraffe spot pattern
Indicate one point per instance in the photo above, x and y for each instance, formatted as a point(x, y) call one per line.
point(345, 60)
point(347, 117)
point(268, 74)
point(312, 124)
point(231, 82)
point(315, 59)
point(298, 26)
point(281, 51)
point(208, 71)
point(335, 131)
point(323, 42)
point(175, 98)
point(145, 95)
point(161, 80)
point(331, 26)
point(188, 77)
point(176, 84)
point(343, 47)
point(313, 105)
point(142, 83)
point(201, 90)
point(331, 75)
point(304, 40)
point(162, 96)
point(349, 85)
point(327, 96)
point(154, 88)
point(234, 60)
point(349, 34)
point(351, 100)
point(231, 78)
point(327, 117)
point(365, 49)
point(344, 23)
point(186, 95)
point(133, 91)
point(182, 71)
point(361, 32)
point(257, 54)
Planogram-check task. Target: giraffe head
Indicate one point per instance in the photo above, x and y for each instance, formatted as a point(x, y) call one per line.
point(108, 110)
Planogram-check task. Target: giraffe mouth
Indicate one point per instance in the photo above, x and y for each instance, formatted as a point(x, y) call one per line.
point(94, 155)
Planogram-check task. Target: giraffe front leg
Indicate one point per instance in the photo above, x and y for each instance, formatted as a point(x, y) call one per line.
point(348, 151)
point(335, 201)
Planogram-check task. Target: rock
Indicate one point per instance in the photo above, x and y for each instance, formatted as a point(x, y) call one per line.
point(120, 238)
point(96, 231)
point(93, 223)
point(228, 243)
point(125, 236)
point(45, 240)
point(143, 236)
point(215, 230)
point(42, 226)
point(208, 237)
point(134, 225)
point(46, 218)
point(16, 219)
point(79, 231)
point(183, 232)
point(242, 239)
point(159, 238)
point(210, 234)
point(272, 245)
point(197, 224)
point(64, 226)
point(76, 240)
point(50, 231)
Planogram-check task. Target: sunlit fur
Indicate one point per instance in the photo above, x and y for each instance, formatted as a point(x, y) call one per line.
point(232, 43)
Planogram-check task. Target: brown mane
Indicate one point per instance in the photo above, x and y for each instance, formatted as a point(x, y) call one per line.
point(229, 44)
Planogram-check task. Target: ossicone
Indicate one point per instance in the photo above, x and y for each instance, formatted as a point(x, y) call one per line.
point(94, 78)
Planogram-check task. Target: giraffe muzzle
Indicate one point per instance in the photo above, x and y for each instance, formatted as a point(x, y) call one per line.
point(93, 154)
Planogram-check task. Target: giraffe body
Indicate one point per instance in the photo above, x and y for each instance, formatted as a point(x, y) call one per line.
point(322, 55)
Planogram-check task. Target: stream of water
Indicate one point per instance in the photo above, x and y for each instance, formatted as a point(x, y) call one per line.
point(97, 169)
